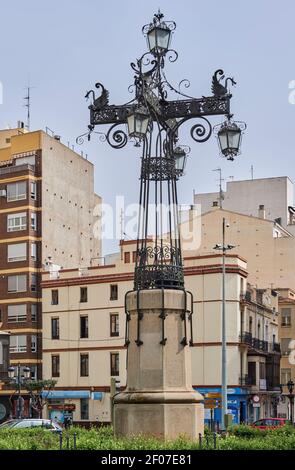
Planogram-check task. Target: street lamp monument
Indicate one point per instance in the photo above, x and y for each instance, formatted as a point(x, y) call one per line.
point(159, 398)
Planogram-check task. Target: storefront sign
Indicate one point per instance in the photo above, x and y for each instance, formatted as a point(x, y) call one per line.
point(65, 407)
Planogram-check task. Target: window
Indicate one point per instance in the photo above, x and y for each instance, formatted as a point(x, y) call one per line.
point(113, 292)
point(34, 251)
point(54, 297)
point(252, 373)
point(33, 343)
point(55, 366)
point(134, 256)
point(16, 222)
point(17, 252)
point(285, 346)
point(286, 317)
point(54, 328)
point(127, 257)
point(33, 221)
point(17, 283)
point(84, 326)
point(84, 408)
point(114, 324)
point(33, 187)
point(34, 312)
point(18, 343)
point(16, 191)
point(114, 364)
point(33, 375)
point(16, 313)
point(34, 282)
point(83, 294)
point(262, 370)
point(285, 375)
point(84, 365)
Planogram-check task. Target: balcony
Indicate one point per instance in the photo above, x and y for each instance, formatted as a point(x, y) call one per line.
point(258, 344)
point(16, 168)
point(246, 338)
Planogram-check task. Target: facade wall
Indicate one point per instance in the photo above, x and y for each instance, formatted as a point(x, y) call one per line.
point(203, 278)
point(69, 199)
point(276, 194)
point(36, 158)
point(269, 250)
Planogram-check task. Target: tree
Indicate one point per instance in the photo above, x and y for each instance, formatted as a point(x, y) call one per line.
point(39, 391)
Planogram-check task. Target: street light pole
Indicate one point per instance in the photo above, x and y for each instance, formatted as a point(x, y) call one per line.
point(18, 383)
point(223, 353)
point(224, 249)
point(290, 385)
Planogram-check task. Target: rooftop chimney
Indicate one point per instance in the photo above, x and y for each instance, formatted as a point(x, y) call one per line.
point(261, 211)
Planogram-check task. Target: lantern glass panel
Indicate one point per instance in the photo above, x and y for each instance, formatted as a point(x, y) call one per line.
point(159, 39)
point(223, 141)
point(234, 138)
point(130, 123)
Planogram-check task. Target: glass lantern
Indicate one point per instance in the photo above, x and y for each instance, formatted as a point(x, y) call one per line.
point(137, 122)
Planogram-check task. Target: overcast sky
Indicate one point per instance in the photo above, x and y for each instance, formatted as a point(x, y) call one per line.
point(64, 47)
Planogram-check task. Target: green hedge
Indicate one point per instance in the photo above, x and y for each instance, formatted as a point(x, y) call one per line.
point(238, 438)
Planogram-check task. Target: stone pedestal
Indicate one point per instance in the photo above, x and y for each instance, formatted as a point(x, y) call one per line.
point(159, 399)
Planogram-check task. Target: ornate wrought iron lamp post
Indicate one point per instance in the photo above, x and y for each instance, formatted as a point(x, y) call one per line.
point(18, 380)
point(290, 385)
point(154, 122)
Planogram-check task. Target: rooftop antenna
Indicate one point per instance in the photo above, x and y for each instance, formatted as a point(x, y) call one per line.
point(27, 105)
point(221, 195)
point(252, 172)
point(122, 230)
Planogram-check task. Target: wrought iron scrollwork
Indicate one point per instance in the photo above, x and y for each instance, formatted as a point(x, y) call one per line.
point(116, 138)
point(153, 276)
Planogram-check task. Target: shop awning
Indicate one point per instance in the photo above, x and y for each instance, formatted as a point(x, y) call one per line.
point(96, 395)
point(71, 394)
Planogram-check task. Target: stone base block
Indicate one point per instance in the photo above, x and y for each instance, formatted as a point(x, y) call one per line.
point(162, 420)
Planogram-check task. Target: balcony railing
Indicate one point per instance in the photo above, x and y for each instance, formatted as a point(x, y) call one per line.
point(16, 168)
point(259, 344)
point(246, 337)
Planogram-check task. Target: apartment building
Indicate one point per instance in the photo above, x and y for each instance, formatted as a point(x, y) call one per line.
point(46, 210)
point(267, 246)
point(274, 196)
point(287, 335)
point(84, 335)
point(260, 342)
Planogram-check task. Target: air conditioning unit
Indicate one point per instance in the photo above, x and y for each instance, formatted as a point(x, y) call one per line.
point(3, 192)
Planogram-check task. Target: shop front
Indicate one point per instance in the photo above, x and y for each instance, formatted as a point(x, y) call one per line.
point(73, 406)
point(236, 404)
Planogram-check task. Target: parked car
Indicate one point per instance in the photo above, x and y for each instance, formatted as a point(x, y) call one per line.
point(269, 423)
point(31, 423)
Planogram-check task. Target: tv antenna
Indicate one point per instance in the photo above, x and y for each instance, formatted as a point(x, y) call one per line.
point(27, 105)
point(221, 195)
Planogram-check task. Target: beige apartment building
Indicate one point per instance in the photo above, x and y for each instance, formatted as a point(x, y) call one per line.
point(274, 195)
point(84, 336)
point(46, 211)
point(287, 337)
point(268, 247)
